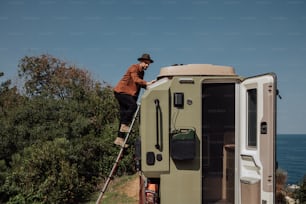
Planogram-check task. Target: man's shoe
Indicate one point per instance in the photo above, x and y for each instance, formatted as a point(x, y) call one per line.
point(124, 128)
point(120, 141)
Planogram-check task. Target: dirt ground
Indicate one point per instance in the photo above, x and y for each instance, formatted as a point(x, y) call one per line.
point(131, 188)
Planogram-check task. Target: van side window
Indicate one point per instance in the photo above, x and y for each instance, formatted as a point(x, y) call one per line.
point(252, 117)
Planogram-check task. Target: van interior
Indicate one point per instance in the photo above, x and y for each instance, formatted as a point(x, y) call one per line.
point(218, 143)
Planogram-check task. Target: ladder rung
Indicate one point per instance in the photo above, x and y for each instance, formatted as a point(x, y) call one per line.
point(120, 155)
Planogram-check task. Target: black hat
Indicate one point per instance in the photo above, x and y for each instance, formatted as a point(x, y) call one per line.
point(145, 57)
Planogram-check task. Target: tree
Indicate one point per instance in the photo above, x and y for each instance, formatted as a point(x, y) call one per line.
point(9, 96)
point(10, 100)
point(57, 135)
point(49, 76)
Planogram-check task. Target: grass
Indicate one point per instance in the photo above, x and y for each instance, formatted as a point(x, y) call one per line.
point(116, 193)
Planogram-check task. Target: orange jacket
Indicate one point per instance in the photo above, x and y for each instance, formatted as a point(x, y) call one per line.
point(132, 81)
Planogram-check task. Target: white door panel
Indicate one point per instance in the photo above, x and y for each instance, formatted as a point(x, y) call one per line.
point(257, 138)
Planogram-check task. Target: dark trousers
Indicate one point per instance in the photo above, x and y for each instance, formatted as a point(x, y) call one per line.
point(128, 106)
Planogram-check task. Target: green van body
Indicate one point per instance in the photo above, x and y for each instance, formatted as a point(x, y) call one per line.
point(192, 121)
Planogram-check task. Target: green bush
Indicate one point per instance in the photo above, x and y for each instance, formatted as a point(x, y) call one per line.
point(42, 174)
point(300, 193)
point(57, 135)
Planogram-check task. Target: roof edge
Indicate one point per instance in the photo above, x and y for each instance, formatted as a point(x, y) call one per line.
point(196, 69)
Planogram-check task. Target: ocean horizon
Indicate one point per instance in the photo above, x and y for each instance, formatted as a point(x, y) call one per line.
point(291, 156)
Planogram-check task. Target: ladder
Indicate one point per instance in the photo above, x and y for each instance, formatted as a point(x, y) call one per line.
point(118, 157)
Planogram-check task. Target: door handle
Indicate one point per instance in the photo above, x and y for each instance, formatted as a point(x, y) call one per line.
point(157, 110)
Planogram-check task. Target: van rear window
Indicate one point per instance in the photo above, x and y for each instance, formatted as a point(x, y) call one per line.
point(252, 117)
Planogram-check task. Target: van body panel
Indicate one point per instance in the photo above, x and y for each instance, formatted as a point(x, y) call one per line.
point(208, 136)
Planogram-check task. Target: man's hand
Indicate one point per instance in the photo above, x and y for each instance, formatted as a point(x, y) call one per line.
point(151, 82)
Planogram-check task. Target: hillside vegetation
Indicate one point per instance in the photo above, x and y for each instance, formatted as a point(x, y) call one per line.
point(57, 132)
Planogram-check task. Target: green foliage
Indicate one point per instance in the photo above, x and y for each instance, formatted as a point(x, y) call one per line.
point(10, 100)
point(42, 174)
point(300, 194)
point(56, 140)
point(49, 76)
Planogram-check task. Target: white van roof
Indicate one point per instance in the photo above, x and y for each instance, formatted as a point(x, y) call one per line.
point(196, 70)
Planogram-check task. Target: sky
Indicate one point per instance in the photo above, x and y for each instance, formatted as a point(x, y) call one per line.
point(106, 36)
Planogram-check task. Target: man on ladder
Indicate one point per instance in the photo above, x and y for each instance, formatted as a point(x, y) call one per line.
point(127, 91)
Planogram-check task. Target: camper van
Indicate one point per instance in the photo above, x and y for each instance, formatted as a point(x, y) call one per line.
point(207, 135)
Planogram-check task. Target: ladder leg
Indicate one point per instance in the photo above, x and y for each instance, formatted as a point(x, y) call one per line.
point(118, 158)
point(110, 176)
point(131, 125)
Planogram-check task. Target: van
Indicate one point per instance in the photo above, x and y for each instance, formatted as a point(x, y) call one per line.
point(207, 135)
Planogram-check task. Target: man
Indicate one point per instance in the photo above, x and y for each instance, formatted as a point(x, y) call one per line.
point(127, 92)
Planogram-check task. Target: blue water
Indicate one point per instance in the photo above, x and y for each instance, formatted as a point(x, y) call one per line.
point(291, 156)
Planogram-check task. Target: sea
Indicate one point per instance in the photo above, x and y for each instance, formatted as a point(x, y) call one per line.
point(291, 156)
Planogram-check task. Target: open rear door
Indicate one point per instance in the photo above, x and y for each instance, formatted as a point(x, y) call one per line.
point(257, 121)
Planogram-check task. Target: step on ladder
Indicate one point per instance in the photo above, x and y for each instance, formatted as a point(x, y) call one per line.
point(118, 157)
